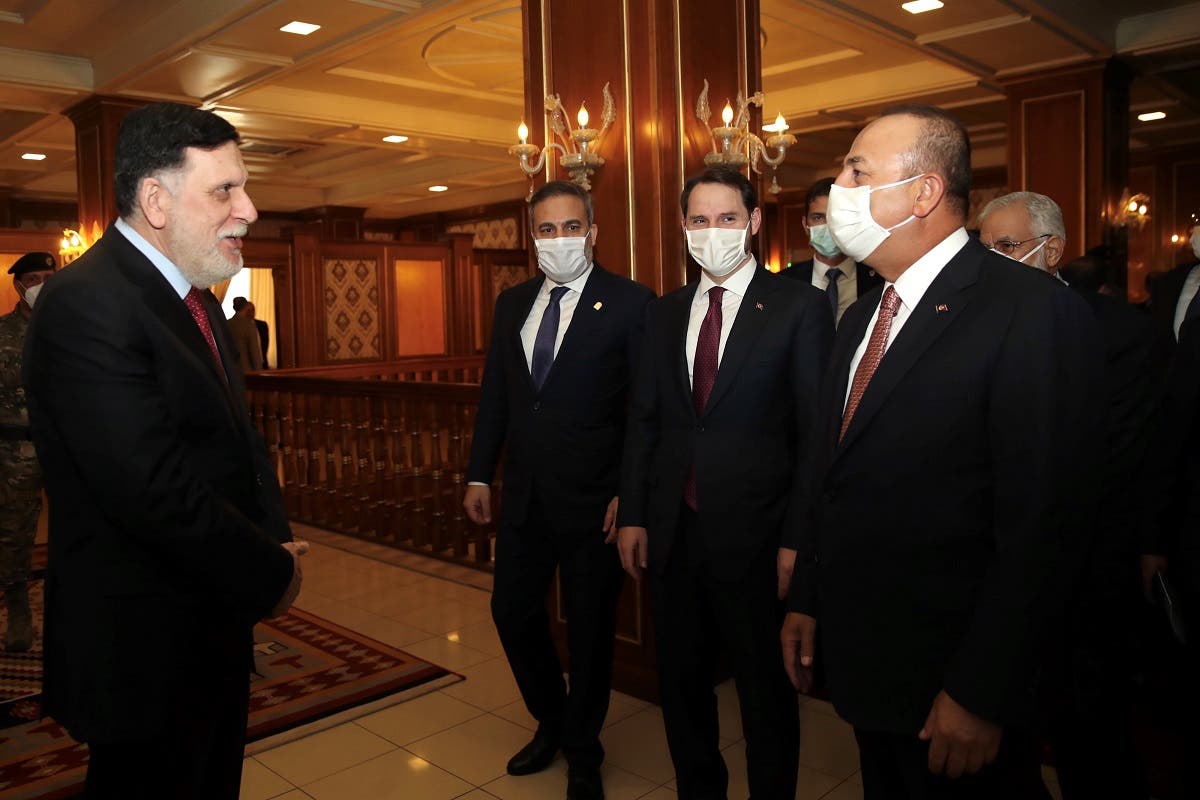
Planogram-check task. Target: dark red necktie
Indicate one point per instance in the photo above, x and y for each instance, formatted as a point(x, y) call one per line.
point(195, 303)
point(704, 372)
point(876, 346)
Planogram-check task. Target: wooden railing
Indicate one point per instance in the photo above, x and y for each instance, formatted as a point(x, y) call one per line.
point(381, 460)
point(432, 369)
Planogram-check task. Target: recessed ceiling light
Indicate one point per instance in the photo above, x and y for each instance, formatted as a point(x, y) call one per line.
point(1151, 116)
point(300, 28)
point(438, 188)
point(921, 6)
point(395, 138)
point(33, 156)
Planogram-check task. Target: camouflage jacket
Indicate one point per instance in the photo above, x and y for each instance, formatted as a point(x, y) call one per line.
point(12, 393)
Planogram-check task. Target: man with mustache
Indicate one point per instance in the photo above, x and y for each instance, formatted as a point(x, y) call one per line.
point(168, 538)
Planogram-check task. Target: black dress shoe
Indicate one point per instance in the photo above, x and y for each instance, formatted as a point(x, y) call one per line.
point(584, 784)
point(535, 756)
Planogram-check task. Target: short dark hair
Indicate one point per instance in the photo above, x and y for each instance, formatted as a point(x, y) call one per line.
point(239, 303)
point(561, 189)
point(817, 190)
point(726, 176)
point(154, 138)
point(942, 146)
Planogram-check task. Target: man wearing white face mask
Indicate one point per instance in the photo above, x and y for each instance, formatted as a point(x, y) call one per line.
point(830, 270)
point(20, 476)
point(1026, 227)
point(959, 430)
point(714, 486)
point(554, 398)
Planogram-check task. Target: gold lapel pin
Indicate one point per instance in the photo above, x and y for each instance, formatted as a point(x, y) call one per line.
point(598, 305)
point(942, 308)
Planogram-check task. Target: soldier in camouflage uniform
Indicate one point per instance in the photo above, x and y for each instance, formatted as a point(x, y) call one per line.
point(20, 477)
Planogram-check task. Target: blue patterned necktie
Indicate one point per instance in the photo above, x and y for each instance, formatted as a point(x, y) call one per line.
point(547, 335)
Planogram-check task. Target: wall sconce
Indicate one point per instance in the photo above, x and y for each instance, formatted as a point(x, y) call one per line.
point(579, 157)
point(1133, 210)
point(71, 247)
point(738, 146)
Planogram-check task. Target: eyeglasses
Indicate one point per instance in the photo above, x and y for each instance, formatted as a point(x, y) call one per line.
point(1007, 247)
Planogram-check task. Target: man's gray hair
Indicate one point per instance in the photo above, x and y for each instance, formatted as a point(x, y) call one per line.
point(1044, 214)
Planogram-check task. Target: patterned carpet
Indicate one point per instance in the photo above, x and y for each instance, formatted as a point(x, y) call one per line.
point(312, 674)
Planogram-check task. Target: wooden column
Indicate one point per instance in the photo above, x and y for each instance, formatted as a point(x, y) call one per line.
point(656, 55)
point(97, 120)
point(1068, 134)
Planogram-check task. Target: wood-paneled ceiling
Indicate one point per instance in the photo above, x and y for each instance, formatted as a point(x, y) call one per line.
point(313, 110)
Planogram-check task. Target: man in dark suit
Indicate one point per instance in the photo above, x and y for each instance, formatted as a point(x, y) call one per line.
point(714, 484)
point(959, 421)
point(168, 538)
point(264, 339)
point(1172, 293)
point(830, 270)
point(1087, 690)
point(554, 398)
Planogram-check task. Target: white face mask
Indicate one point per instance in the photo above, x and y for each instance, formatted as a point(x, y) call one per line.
point(718, 250)
point(563, 259)
point(849, 217)
point(1042, 266)
point(1196, 241)
point(31, 294)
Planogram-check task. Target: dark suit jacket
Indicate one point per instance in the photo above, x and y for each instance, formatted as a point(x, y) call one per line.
point(564, 442)
point(944, 519)
point(264, 338)
point(751, 445)
point(868, 278)
point(166, 517)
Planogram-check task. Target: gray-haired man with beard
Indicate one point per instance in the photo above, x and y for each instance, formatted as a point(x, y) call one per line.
point(168, 537)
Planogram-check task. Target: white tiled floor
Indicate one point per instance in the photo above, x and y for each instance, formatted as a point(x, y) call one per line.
point(454, 743)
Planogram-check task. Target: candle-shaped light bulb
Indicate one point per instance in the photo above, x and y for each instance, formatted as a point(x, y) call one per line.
point(522, 131)
point(780, 123)
point(1142, 210)
point(582, 116)
point(1133, 205)
point(727, 114)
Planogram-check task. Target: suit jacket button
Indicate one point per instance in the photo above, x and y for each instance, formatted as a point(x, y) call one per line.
point(537, 404)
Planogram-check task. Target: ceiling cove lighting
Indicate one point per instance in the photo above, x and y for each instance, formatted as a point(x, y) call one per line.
point(300, 28)
point(33, 156)
point(921, 6)
point(395, 138)
point(438, 188)
point(1151, 116)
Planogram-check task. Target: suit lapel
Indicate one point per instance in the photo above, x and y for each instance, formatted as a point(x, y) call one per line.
point(944, 300)
point(678, 314)
point(850, 333)
point(524, 304)
point(751, 318)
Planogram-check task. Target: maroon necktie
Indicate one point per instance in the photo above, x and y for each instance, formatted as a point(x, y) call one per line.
point(195, 304)
point(704, 372)
point(876, 346)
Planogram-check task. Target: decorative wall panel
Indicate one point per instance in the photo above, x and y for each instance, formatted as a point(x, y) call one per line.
point(500, 234)
point(351, 309)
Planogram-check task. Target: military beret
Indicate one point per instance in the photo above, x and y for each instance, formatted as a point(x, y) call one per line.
point(33, 262)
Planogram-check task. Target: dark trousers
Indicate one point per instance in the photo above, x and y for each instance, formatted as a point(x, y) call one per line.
point(590, 576)
point(896, 767)
point(745, 615)
point(199, 756)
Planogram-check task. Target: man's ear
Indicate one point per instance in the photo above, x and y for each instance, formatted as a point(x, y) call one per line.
point(932, 192)
point(755, 221)
point(154, 200)
point(1054, 251)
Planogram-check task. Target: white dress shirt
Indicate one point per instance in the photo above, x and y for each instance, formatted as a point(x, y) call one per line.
point(566, 311)
point(847, 284)
point(735, 289)
point(1191, 284)
point(911, 286)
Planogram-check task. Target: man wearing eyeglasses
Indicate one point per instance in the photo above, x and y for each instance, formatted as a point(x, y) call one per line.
point(1090, 728)
point(1026, 227)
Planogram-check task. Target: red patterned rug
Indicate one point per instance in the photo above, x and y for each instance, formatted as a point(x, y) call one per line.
point(312, 674)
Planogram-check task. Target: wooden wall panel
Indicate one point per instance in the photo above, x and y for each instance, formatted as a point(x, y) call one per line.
point(420, 313)
point(1056, 166)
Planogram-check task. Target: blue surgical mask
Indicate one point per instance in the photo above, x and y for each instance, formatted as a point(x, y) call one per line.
point(822, 241)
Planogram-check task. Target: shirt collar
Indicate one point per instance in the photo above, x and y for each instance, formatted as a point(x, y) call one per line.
point(737, 283)
point(847, 266)
point(912, 285)
point(575, 285)
point(163, 264)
